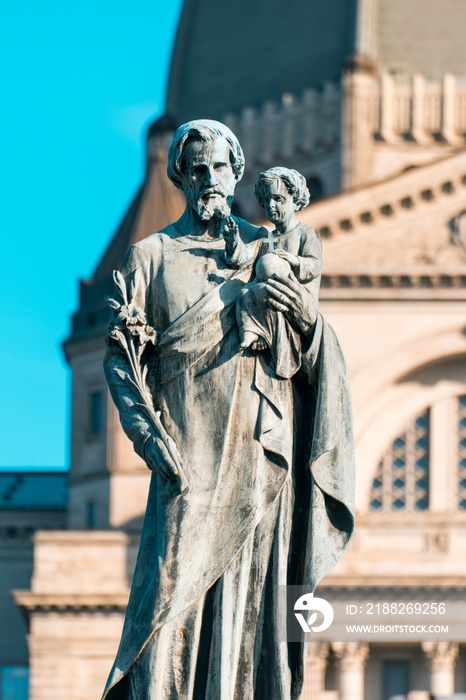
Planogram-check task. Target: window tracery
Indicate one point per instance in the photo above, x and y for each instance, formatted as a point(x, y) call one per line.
point(402, 479)
point(462, 452)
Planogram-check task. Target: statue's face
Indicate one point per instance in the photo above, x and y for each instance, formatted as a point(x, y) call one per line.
point(278, 202)
point(208, 178)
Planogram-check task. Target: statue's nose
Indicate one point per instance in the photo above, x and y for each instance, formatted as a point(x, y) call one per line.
point(211, 176)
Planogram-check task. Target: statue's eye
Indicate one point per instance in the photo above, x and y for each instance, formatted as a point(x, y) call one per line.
point(197, 170)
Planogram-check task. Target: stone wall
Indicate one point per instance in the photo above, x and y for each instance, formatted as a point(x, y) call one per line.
point(76, 608)
point(291, 45)
point(425, 36)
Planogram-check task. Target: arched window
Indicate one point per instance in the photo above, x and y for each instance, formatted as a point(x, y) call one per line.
point(462, 453)
point(402, 479)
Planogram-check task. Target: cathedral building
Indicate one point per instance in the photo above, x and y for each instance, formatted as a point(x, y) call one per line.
point(367, 98)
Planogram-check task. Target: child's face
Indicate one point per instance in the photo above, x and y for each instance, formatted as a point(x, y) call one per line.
point(278, 202)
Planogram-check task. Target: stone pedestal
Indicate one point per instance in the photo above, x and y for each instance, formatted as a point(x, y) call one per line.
point(351, 661)
point(442, 657)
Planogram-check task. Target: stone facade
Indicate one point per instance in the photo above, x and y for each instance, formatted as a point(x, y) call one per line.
point(290, 47)
point(29, 501)
point(76, 604)
point(420, 36)
point(364, 128)
point(383, 140)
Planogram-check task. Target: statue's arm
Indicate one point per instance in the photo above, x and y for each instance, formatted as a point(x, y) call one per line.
point(310, 256)
point(116, 362)
point(121, 357)
point(307, 265)
point(238, 253)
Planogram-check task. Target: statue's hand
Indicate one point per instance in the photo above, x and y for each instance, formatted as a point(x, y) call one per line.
point(230, 231)
point(159, 460)
point(293, 260)
point(291, 298)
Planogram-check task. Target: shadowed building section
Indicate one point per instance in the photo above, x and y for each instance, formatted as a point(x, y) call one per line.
point(30, 500)
point(33, 489)
point(229, 56)
point(422, 36)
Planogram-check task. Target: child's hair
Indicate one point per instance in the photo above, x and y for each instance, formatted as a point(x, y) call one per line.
point(293, 181)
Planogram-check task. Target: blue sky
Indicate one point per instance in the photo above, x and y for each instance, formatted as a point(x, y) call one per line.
point(80, 84)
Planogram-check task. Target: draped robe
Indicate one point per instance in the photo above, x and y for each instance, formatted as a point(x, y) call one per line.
point(269, 465)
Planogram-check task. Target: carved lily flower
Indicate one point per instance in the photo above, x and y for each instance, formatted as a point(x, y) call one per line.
point(146, 334)
point(117, 335)
point(133, 319)
point(131, 315)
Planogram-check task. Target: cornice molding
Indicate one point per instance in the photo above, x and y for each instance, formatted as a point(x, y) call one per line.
point(394, 592)
point(31, 602)
point(402, 196)
point(424, 283)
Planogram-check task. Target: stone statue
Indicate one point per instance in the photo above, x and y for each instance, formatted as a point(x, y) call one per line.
point(295, 247)
point(241, 456)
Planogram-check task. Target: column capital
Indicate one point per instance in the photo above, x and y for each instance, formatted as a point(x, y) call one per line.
point(351, 661)
point(351, 654)
point(314, 676)
point(317, 651)
point(440, 654)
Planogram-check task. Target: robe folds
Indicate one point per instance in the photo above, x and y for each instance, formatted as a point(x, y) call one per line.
point(270, 469)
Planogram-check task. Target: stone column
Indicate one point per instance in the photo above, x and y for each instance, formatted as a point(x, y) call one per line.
point(359, 87)
point(442, 657)
point(247, 129)
point(443, 446)
point(449, 132)
point(351, 661)
point(418, 98)
point(310, 119)
point(269, 129)
point(288, 135)
point(387, 107)
point(314, 674)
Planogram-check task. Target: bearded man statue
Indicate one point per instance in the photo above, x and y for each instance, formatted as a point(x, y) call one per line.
point(253, 486)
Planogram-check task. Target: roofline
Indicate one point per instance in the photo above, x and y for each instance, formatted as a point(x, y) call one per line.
point(177, 63)
point(388, 178)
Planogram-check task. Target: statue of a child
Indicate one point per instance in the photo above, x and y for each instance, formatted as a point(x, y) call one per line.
point(290, 247)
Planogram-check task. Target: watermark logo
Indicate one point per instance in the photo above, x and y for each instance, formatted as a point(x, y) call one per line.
point(331, 614)
point(308, 603)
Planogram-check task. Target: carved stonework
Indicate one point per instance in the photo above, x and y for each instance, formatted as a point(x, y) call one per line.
point(442, 657)
point(388, 283)
point(351, 662)
point(315, 669)
point(351, 655)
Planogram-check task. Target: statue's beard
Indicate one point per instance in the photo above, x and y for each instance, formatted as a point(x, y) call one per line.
point(212, 204)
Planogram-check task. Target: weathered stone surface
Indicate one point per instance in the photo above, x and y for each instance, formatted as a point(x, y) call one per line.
point(239, 453)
